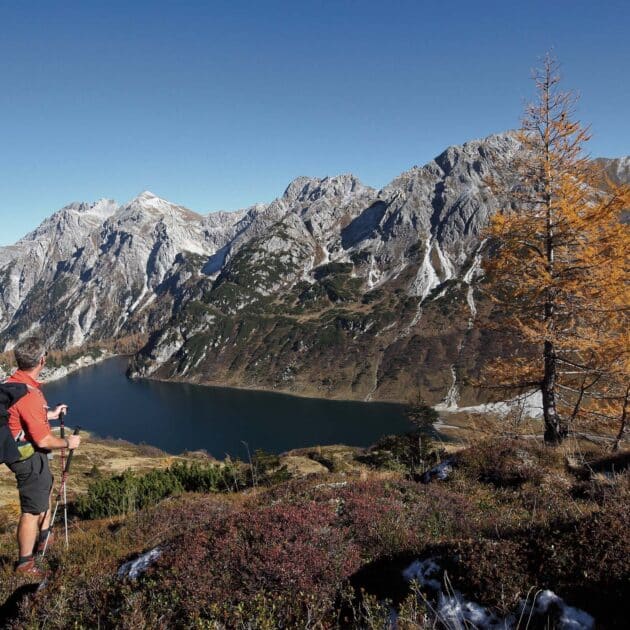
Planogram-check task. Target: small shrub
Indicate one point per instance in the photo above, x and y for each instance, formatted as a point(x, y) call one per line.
point(324, 460)
point(94, 472)
point(148, 450)
point(375, 295)
point(265, 469)
point(412, 453)
point(126, 493)
point(420, 414)
point(504, 463)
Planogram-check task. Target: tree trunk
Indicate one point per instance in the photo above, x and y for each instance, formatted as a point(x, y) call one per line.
point(624, 420)
point(554, 431)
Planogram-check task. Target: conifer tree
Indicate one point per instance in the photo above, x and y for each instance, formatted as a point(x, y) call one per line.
point(558, 269)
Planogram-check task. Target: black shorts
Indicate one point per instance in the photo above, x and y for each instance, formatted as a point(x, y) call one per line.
point(34, 482)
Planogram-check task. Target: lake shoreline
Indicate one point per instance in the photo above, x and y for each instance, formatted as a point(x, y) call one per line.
point(267, 390)
point(441, 426)
point(177, 416)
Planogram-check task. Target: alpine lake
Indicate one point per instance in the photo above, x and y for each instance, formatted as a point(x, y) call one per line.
point(178, 417)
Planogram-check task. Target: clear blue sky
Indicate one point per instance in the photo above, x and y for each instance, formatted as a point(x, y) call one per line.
point(217, 105)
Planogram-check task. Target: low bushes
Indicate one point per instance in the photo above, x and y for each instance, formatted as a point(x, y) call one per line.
point(412, 453)
point(584, 560)
point(507, 463)
point(280, 562)
point(297, 554)
point(126, 493)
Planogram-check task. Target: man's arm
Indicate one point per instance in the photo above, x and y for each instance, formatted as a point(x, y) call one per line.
point(33, 412)
point(51, 442)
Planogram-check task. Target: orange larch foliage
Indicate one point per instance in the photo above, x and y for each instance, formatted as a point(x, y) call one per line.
point(558, 269)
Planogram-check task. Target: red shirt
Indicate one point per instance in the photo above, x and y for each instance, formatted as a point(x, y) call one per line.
point(30, 412)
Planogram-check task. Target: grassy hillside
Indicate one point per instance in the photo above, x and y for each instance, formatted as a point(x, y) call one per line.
point(95, 457)
point(324, 542)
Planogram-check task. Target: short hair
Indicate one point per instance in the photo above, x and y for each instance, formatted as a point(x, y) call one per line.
point(28, 352)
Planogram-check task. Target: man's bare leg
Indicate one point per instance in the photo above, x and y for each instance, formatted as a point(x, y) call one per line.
point(28, 530)
point(44, 518)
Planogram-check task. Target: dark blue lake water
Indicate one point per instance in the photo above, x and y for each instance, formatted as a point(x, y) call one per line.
point(177, 417)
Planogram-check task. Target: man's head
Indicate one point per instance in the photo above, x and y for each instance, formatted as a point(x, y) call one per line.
point(30, 353)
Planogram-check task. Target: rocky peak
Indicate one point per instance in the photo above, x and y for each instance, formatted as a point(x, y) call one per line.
point(298, 188)
point(103, 208)
point(309, 189)
point(150, 207)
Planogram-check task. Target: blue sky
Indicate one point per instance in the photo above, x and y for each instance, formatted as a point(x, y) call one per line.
point(217, 105)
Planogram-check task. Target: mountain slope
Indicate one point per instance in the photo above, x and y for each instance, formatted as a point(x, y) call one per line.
point(352, 293)
point(332, 289)
point(94, 282)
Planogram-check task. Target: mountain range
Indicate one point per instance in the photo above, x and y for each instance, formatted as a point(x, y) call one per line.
point(333, 289)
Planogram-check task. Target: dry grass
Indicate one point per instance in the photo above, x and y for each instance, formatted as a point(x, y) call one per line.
point(106, 456)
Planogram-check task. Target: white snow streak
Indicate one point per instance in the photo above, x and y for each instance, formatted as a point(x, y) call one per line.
point(135, 568)
point(455, 611)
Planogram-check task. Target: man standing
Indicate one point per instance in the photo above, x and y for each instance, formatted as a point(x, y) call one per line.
point(28, 423)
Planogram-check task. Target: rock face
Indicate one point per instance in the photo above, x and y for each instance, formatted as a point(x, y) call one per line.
point(333, 289)
point(617, 170)
point(90, 272)
point(338, 290)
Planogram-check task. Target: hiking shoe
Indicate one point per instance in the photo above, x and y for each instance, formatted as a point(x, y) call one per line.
point(30, 569)
point(41, 544)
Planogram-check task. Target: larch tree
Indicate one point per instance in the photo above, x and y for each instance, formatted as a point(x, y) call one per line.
point(557, 269)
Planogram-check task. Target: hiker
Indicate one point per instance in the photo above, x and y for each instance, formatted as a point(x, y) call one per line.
point(29, 425)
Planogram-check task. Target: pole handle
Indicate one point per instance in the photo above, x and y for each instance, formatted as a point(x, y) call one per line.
point(69, 460)
point(62, 425)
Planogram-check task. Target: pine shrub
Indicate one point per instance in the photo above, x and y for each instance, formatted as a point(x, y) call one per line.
point(126, 493)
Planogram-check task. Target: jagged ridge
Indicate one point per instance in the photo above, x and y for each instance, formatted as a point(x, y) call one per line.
point(332, 289)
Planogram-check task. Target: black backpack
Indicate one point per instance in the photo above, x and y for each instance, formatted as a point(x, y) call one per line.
point(10, 393)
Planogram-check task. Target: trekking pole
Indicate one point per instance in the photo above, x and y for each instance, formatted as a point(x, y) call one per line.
point(61, 493)
point(63, 454)
point(62, 433)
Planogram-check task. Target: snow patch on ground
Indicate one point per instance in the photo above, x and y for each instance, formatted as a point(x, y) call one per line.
point(528, 405)
point(133, 569)
point(569, 617)
point(424, 572)
point(439, 472)
point(453, 610)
